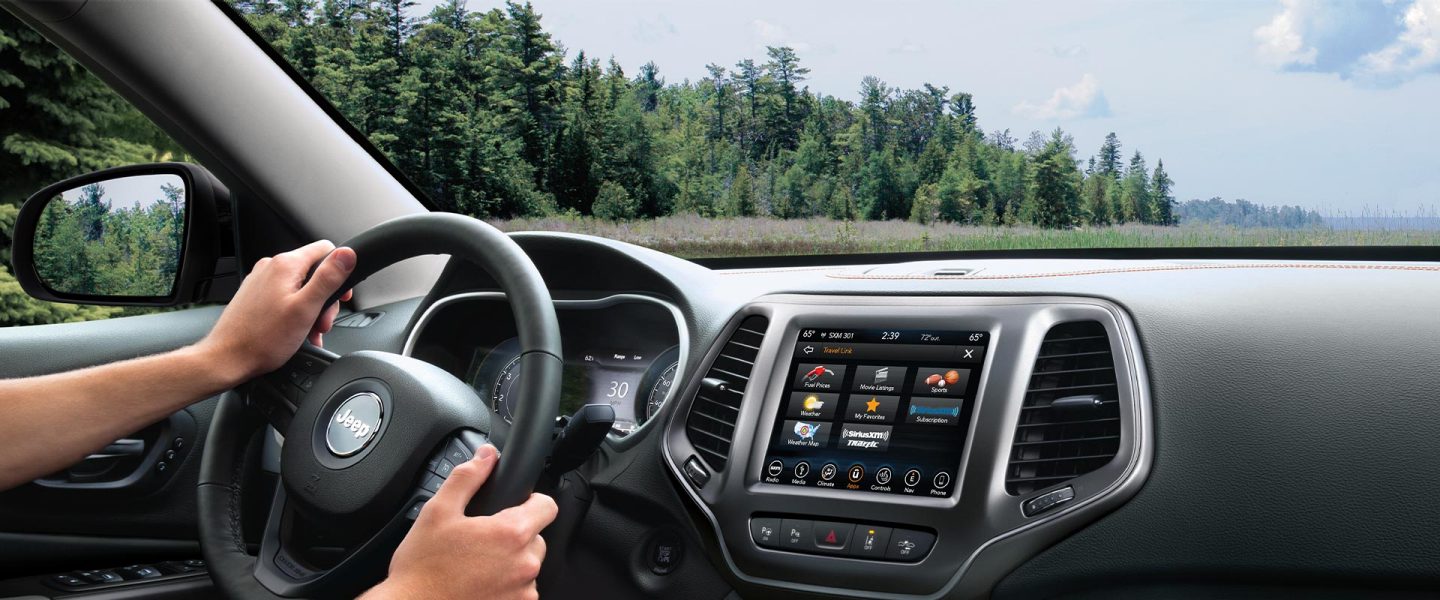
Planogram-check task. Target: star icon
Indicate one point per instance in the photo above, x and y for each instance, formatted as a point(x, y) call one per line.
point(872, 405)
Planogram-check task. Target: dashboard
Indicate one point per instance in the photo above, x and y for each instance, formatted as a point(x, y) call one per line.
point(1031, 428)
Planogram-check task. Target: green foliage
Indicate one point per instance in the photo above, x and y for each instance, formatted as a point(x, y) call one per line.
point(18, 308)
point(614, 203)
point(1243, 213)
point(926, 207)
point(88, 246)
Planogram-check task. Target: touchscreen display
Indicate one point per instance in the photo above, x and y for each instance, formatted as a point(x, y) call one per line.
point(876, 410)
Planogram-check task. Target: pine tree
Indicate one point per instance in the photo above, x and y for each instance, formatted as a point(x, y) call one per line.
point(1108, 161)
point(1162, 203)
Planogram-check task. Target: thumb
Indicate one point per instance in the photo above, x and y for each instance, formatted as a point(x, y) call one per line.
point(330, 275)
point(464, 481)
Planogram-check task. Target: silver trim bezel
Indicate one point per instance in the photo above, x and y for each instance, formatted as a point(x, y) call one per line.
point(982, 533)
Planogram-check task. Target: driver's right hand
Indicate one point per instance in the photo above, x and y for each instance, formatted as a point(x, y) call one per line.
point(450, 555)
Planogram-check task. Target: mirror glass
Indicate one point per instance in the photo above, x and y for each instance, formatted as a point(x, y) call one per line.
point(118, 237)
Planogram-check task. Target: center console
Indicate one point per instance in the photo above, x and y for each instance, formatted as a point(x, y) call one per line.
point(908, 447)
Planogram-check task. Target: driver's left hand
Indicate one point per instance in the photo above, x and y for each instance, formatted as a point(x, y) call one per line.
point(275, 310)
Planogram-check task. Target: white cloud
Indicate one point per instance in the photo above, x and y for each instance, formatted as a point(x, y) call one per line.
point(1281, 41)
point(1374, 44)
point(909, 48)
point(650, 31)
point(770, 34)
point(1415, 51)
point(1082, 100)
point(1071, 51)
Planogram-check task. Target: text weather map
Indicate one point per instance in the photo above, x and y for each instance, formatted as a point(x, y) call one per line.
point(882, 410)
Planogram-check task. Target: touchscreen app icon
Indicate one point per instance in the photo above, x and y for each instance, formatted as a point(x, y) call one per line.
point(818, 372)
point(807, 431)
point(813, 402)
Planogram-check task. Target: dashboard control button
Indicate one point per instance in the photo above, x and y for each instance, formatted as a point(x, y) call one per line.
point(832, 537)
point(696, 472)
point(1047, 501)
point(883, 476)
point(912, 477)
point(942, 480)
point(665, 553)
point(909, 545)
point(828, 471)
point(765, 531)
point(802, 469)
point(856, 473)
point(870, 541)
point(69, 580)
point(775, 468)
point(795, 534)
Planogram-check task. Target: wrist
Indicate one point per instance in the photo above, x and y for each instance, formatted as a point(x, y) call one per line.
point(389, 589)
point(219, 367)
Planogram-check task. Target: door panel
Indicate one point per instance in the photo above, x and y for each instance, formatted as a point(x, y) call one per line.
point(97, 513)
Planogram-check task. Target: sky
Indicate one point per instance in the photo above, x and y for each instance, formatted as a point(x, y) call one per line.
point(136, 191)
point(1325, 104)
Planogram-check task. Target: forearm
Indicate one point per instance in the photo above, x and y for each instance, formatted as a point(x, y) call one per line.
point(53, 421)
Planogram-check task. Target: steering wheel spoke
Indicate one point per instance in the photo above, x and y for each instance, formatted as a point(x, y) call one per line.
point(277, 395)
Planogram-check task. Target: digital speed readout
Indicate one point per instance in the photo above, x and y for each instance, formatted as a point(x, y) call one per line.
point(876, 410)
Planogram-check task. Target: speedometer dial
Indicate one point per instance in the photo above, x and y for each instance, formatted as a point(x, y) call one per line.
point(660, 390)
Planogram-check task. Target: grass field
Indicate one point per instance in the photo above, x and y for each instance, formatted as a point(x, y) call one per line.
point(696, 237)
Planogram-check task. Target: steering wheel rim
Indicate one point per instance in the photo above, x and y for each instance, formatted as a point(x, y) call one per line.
point(422, 405)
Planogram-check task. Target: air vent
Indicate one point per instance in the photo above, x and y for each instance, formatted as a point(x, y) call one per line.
point(1070, 422)
point(711, 425)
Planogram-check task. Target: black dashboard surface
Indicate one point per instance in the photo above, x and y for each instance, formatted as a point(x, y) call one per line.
point(1294, 415)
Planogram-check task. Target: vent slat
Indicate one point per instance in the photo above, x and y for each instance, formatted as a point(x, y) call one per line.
point(1052, 446)
point(711, 423)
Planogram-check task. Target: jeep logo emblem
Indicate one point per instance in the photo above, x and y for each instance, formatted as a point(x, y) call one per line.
point(354, 425)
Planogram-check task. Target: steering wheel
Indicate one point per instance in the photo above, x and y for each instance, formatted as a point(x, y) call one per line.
point(369, 436)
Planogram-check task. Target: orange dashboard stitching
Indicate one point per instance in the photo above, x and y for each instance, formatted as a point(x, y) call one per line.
point(1109, 271)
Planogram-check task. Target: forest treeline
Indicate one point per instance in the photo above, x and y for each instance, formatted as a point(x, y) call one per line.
point(1244, 213)
point(493, 117)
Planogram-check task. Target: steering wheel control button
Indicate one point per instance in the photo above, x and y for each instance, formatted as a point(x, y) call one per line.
point(775, 468)
point(942, 480)
point(457, 453)
point(870, 541)
point(856, 473)
point(882, 476)
point(414, 512)
point(802, 469)
point(1047, 501)
point(831, 537)
point(795, 534)
point(828, 471)
point(432, 483)
point(909, 545)
point(765, 531)
point(444, 469)
point(354, 424)
point(665, 553)
point(912, 478)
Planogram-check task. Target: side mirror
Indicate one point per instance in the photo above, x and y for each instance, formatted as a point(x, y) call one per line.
point(144, 235)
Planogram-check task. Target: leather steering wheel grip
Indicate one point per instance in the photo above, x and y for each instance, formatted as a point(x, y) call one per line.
point(528, 443)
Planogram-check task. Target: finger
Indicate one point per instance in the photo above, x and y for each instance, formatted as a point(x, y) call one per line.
point(463, 482)
point(312, 252)
point(347, 295)
point(534, 515)
point(330, 276)
point(326, 322)
point(316, 339)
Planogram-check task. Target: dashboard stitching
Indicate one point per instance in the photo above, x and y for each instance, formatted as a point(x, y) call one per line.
point(1110, 271)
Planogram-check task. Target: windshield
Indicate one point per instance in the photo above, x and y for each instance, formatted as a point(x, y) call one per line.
point(763, 128)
